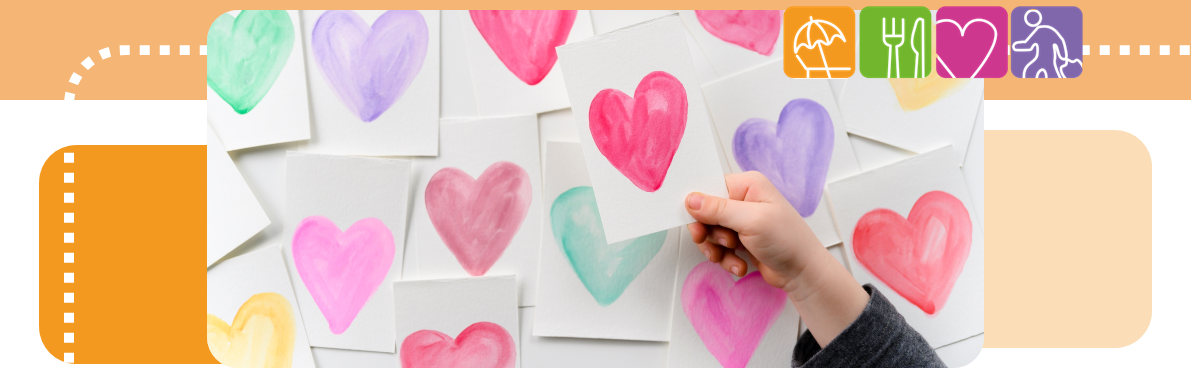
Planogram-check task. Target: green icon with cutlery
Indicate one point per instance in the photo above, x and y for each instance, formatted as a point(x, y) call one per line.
point(895, 42)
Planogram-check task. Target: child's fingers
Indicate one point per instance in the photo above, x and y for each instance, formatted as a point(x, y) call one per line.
point(698, 232)
point(734, 264)
point(713, 252)
point(723, 236)
point(712, 210)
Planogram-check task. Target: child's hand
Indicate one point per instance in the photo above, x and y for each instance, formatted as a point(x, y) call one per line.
point(757, 218)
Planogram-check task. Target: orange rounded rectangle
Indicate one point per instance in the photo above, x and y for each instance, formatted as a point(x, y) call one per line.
point(819, 42)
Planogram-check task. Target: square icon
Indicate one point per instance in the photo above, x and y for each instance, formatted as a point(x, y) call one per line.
point(895, 42)
point(972, 42)
point(1046, 42)
point(819, 42)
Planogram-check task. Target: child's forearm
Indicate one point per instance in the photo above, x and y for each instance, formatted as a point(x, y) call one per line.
point(827, 297)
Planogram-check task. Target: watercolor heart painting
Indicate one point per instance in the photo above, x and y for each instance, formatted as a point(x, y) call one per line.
point(915, 94)
point(480, 345)
point(730, 316)
point(370, 67)
point(245, 54)
point(605, 270)
point(919, 257)
point(756, 30)
point(477, 218)
point(794, 152)
point(524, 40)
point(342, 269)
point(640, 134)
point(261, 335)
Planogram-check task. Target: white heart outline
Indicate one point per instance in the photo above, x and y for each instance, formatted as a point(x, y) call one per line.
point(962, 29)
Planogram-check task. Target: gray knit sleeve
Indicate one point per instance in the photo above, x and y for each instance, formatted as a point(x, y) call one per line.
point(880, 338)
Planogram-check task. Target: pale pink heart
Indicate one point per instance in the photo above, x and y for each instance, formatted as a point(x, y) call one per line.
point(756, 30)
point(480, 345)
point(477, 218)
point(342, 269)
point(730, 316)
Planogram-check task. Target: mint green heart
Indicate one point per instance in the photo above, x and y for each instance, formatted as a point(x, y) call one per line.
point(605, 270)
point(245, 54)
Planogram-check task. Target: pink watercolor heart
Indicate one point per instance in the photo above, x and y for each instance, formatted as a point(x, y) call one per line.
point(342, 269)
point(755, 30)
point(477, 219)
point(921, 257)
point(524, 40)
point(480, 345)
point(730, 317)
point(640, 134)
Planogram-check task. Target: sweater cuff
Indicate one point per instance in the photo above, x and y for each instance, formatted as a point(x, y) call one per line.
point(879, 337)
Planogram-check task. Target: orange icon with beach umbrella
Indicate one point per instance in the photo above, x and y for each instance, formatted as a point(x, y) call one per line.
point(819, 42)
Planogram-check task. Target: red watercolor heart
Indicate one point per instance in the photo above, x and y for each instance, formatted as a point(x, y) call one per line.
point(755, 30)
point(640, 134)
point(477, 219)
point(480, 345)
point(921, 257)
point(524, 40)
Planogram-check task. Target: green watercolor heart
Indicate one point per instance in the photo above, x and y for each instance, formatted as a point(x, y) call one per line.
point(246, 53)
point(605, 270)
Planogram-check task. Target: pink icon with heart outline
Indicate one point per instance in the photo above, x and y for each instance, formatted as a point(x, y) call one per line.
point(972, 42)
point(919, 257)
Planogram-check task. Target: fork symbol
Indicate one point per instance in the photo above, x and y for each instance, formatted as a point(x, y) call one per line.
point(893, 39)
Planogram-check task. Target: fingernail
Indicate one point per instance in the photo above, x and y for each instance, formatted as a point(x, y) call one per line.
point(723, 242)
point(694, 201)
point(706, 253)
point(736, 270)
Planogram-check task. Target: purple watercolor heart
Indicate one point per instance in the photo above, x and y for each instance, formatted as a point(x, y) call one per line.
point(370, 67)
point(793, 153)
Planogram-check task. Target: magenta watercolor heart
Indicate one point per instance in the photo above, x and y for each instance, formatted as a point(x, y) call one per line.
point(342, 269)
point(756, 30)
point(730, 316)
point(477, 218)
point(524, 40)
point(369, 68)
point(480, 345)
point(794, 153)
point(640, 134)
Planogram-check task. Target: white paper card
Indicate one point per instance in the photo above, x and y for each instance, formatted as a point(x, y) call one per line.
point(374, 81)
point(519, 87)
point(792, 127)
point(478, 205)
point(928, 191)
point(282, 114)
point(736, 40)
point(591, 289)
point(642, 166)
point(464, 322)
point(257, 277)
point(344, 233)
point(732, 348)
point(918, 115)
point(233, 213)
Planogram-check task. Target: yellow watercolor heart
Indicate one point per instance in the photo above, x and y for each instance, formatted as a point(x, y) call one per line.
point(261, 335)
point(914, 94)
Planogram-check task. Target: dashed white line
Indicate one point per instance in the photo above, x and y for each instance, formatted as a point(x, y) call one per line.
point(125, 50)
point(1124, 50)
point(68, 198)
point(88, 63)
point(1164, 50)
point(105, 53)
point(75, 78)
point(164, 50)
point(144, 49)
point(1104, 49)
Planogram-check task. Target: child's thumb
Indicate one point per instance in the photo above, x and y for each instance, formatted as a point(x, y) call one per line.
point(718, 211)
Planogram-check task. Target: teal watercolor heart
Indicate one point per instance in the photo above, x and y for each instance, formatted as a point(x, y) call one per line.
point(605, 270)
point(246, 53)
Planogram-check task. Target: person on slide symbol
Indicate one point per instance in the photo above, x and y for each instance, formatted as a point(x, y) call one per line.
point(1044, 34)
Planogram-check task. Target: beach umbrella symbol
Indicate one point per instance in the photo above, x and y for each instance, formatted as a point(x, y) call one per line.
point(813, 35)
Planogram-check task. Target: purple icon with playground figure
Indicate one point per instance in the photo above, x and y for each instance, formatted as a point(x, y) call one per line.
point(1047, 42)
point(972, 42)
